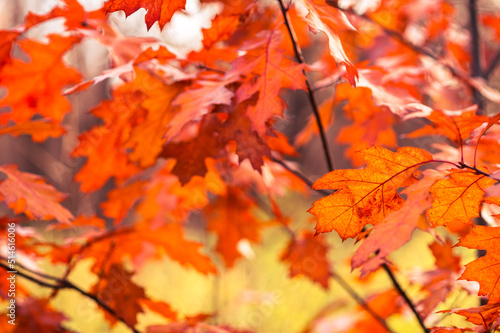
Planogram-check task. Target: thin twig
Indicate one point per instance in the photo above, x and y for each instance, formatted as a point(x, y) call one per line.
point(310, 93)
point(299, 174)
point(476, 52)
point(405, 296)
point(65, 284)
point(360, 301)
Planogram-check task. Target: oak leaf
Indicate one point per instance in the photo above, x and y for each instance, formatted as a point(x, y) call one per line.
point(396, 229)
point(28, 193)
point(307, 255)
point(457, 198)
point(486, 269)
point(48, 74)
point(38, 129)
point(366, 196)
point(232, 219)
point(331, 21)
point(120, 293)
point(157, 10)
point(266, 72)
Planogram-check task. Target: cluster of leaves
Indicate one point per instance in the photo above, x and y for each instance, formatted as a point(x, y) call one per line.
point(199, 135)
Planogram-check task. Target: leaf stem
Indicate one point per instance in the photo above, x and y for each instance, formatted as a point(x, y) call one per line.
point(65, 284)
point(310, 92)
point(405, 296)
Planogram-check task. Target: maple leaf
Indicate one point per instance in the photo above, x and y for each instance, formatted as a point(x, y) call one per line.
point(457, 197)
point(438, 283)
point(307, 255)
point(266, 71)
point(37, 315)
point(231, 218)
point(485, 315)
point(329, 20)
point(157, 10)
point(396, 229)
point(28, 193)
point(368, 195)
point(72, 11)
point(48, 74)
point(159, 307)
point(121, 200)
point(455, 125)
point(38, 129)
point(484, 270)
point(119, 292)
point(7, 38)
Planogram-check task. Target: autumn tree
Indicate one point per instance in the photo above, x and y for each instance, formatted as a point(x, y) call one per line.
point(379, 117)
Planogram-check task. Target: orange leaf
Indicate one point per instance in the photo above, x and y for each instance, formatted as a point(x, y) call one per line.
point(331, 21)
point(455, 125)
point(157, 10)
point(38, 129)
point(266, 71)
point(121, 294)
point(485, 315)
point(366, 196)
point(231, 218)
point(47, 73)
point(28, 193)
point(485, 270)
point(457, 198)
point(307, 255)
point(397, 227)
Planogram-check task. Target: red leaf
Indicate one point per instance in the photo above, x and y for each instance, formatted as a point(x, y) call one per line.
point(28, 193)
point(157, 10)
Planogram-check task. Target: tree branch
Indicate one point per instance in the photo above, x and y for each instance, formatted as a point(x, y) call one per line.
point(64, 284)
point(476, 52)
point(405, 296)
point(299, 174)
point(310, 93)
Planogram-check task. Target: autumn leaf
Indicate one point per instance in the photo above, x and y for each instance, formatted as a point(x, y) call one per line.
point(455, 125)
point(72, 11)
point(396, 229)
point(331, 21)
point(28, 193)
point(7, 39)
point(157, 10)
point(159, 307)
point(48, 74)
point(366, 196)
point(121, 200)
point(266, 71)
point(485, 315)
point(232, 219)
point(307, 256)
point(38, 129)
point(119, 292)
point(37, 315)
point(457, 198)
point(484, 270)
point(384, 304)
